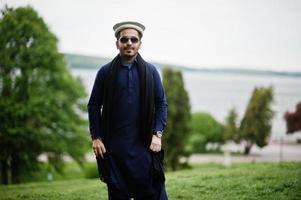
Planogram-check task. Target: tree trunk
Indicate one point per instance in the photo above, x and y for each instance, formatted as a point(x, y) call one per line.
point(247, 148)
point(4, 172)
point(15, 172)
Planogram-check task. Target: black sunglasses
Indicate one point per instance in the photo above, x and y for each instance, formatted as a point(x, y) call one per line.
point(125, 40)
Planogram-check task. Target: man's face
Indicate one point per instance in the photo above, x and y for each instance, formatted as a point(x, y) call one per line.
point(128, 43)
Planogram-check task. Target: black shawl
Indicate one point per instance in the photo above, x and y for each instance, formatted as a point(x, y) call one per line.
point(109, 86)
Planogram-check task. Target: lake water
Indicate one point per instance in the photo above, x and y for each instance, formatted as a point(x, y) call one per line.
point(217, 93)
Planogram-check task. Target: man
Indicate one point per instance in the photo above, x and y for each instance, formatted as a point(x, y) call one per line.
point(127, 114)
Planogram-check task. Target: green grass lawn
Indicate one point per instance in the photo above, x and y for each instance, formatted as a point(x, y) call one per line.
point(210, 181)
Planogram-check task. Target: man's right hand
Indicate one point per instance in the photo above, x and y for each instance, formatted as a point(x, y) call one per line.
point(98, 147)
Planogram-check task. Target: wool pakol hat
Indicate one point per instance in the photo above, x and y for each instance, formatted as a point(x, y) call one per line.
point(128, 24)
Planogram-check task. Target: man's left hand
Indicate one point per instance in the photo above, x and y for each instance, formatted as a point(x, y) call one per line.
point(156, 144)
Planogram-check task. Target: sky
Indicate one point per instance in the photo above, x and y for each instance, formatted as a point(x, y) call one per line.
point(253, 34)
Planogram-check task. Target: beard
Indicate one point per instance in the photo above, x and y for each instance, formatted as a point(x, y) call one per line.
point(128, 54)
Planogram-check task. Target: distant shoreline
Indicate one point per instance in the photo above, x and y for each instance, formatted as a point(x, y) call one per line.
point(75, 61)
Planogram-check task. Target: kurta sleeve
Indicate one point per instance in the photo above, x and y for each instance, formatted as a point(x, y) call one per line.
point(160, 104)
point(95, 105)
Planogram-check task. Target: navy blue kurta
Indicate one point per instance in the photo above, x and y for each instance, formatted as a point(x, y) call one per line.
point(129, 160)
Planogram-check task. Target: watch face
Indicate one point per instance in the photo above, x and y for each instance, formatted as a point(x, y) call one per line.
point(159, 134)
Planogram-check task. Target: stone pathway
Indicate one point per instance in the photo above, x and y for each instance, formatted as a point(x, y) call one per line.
point(270, 153)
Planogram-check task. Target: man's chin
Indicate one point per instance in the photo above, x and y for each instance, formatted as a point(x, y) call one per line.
point(129, 56)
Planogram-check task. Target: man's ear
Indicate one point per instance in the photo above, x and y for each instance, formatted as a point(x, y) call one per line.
point(140, 45)
point(117, 44)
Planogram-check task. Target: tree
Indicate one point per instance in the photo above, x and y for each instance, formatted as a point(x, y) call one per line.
point(204, 129)
point(41, 103)
point(231, 131)
point(293, 120)
point(177, 130)
point(256, 125)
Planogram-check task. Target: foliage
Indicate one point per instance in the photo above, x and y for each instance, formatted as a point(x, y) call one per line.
point(41, 103)
point(204, 129)
point(71, 170)
point(293, 119)
point(255, 126)
point(90, 170)
point(177, 130)
point(210, 181)
point(231, 131)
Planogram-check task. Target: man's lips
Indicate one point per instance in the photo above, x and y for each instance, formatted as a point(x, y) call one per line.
point(129, 50)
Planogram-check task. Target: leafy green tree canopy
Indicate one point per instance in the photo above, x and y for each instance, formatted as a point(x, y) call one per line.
point(177, 131)
point(41, 103)
point(231, 128)
point(256, 124)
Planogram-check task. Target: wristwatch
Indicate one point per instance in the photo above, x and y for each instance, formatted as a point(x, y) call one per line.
point(159, 134)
